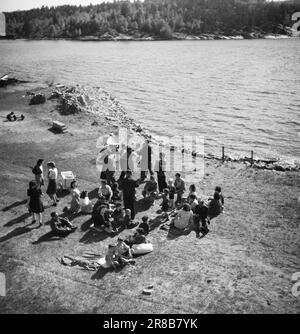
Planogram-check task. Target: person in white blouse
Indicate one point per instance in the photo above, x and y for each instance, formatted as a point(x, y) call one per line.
point(52, 182)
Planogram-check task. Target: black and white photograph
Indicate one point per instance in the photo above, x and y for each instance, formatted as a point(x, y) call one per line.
point(149, 159)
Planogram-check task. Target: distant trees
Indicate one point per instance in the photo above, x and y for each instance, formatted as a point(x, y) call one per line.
point(155, 17)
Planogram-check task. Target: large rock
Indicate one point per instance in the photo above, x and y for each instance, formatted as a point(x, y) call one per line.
point(37, 99)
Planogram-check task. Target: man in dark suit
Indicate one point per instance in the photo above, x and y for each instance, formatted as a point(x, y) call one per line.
point(128, 187)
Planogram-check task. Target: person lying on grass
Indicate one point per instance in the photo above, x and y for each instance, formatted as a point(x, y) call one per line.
point(184, 218)
point(137, 239)
point(61, 226)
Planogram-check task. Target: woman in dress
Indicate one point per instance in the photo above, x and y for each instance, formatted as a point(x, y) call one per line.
point(39, 173)
point(34, 203)
point(75, 193)
point(52, 182)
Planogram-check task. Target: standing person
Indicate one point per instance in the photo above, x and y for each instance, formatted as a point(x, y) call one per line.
point(146, 159)
point(128, 187)
point(34, 203)
point(75, 193)
point(52, 182)
point(179, 188)
point(124, 163)
point(160, 168)
point(172, 191)
point(39, 173)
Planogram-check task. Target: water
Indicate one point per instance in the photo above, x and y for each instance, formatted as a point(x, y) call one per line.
point(241, 94)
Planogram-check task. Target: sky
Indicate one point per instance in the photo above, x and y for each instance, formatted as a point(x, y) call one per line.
point(12, 5)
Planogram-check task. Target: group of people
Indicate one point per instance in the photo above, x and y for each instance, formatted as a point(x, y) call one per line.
point(115, 207)
point(11, 117)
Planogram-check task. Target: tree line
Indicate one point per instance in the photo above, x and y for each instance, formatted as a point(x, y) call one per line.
point(160, 18)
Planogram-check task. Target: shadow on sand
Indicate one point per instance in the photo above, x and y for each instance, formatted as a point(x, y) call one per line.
point(14, 205)
point(17, 232)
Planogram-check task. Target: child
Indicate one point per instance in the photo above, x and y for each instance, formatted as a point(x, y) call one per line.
point(127, 219)
point(171, 194)
point(215, 206)
point(118, 215)
point(123, 253)
point(145, 225)
point(165, 201)
point(192, 191)
point(116, 195)
point(85, 203)
point(179, 185)
point(150, 189)
point(110, 257)
point(193, 202)
point(219, 191)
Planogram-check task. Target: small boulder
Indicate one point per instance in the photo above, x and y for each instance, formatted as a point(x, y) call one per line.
point(37, 99)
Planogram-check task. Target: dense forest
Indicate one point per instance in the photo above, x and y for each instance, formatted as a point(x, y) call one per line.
point(158, 18)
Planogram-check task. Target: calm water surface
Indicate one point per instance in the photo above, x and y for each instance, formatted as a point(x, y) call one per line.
point(241, 94)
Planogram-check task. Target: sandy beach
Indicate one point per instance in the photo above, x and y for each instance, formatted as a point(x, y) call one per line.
point(244, 265)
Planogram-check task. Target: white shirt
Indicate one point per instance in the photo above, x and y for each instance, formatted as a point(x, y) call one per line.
point(53, 173)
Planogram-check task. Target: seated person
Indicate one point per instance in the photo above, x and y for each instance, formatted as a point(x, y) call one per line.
point(184, 218)
point(85, 203)
point(116, 194)
point(61, 226)
point(137, 239)
point(127, 219)
point(111, 257)
point(201, 216)
point(145, 225)
point(150, 188)
point(219, 191)
point(192, 191)
point(105, 190)
point(11, 117)
point(118, 214)
point(193, 202)
point(101, 219)
point(123, 252)
point(165, 205)
point(215, 207)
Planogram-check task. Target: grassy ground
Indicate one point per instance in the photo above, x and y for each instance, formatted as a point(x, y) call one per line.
point(243, 265)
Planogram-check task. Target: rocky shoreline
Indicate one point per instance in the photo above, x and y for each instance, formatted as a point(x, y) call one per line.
point(175, 37)
point(76, 99)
